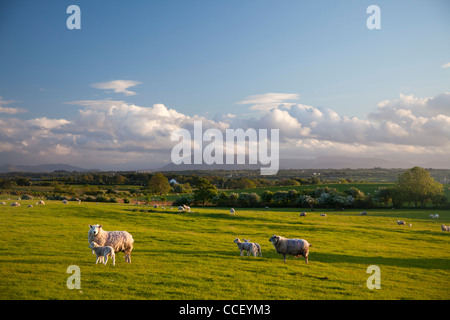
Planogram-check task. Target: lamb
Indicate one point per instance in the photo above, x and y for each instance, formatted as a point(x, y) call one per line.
point(120, 241)
point(401, 222)
point(431, 216)
point(246, 246)
point(103, 253)
point(294, 247)
point(232, 211)
point(445, 228)
point(257, 246)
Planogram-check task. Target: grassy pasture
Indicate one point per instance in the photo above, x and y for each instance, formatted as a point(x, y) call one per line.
point(192, 255)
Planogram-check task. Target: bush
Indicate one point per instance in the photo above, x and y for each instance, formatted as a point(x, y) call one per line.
point(182, 201)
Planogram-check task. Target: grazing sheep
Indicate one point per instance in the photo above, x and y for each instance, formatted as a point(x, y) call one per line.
point(3, 203)
point(410, 224)
point(103, 253)
point(445, 228)
point(30, 206)
point(431, 216)
point(364, 213)
point(436, 216)
point(257, 246)
point(41, 202)
point(64, 202)
point(267, 207)
point(294, 247)
point(303, 214)
point(246, 246)
point(15, 204)
point(401, 222)
point(323, 214)
point(232, 211)
point(155, 206)
point(120, 241)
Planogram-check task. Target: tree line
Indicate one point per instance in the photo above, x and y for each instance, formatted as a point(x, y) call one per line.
point(414, 188)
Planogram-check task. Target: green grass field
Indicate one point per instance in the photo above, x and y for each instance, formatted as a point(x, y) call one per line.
point(192, 255)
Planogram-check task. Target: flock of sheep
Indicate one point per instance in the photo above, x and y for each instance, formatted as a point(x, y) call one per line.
point(105, 244)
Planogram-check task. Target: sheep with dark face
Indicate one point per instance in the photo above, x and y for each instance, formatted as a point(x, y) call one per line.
point(293, 247)
point(120, 241)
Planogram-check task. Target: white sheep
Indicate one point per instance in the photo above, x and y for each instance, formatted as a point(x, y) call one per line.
point(445, 228)
point(103, 253)
point(294, 247)
point(303, 214)
point(30, 206)
point(401, 222)
point(436, 216)
point(15, 204)
point(323, 214)
point(3, 203)
point(257, 246)
point(246, 246)
point(65, 202)
point(431, 216)
point(120, 241)
point(232, 211)
point(364, 213)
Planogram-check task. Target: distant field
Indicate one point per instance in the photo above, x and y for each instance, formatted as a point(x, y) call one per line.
point(192, 255)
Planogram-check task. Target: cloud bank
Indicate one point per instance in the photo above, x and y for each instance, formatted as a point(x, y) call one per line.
point(117, 134)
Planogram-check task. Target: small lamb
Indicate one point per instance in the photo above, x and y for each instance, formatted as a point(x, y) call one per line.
point(258, 247)
point(103, 253)
point(401, 222)
point(251, 248)
point(445, 228)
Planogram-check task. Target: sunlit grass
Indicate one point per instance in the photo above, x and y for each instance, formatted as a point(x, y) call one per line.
point(192, 255)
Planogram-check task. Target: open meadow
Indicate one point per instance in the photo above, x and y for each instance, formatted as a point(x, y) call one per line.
point(192, 255)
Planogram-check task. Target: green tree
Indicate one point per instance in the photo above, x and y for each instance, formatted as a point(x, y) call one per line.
point(158, 184)
point(205, 191)
point(417, 186)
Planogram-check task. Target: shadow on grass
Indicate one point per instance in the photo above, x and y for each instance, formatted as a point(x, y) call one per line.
point(425, 263)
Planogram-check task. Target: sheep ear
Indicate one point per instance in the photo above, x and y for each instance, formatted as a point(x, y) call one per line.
point(90, 226)
point(100, 226)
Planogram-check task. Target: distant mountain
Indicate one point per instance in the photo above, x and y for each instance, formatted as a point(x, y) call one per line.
point(41, 168)
point(337, 162)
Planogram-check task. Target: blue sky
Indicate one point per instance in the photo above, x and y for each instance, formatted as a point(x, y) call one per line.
point(201, 58)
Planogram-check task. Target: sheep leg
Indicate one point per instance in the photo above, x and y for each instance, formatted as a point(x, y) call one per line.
point(242, 252)
point(284, 257)
point(105, 260)
point(114, 259)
